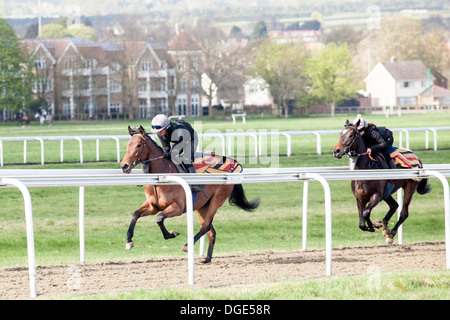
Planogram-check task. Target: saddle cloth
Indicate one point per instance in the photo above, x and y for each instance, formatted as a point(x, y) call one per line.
point(405, 158)
point(210, 162)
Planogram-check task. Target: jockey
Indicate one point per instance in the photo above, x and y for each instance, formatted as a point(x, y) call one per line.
point(376, 141)
point(184, 139)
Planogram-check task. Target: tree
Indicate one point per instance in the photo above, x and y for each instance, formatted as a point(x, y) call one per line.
point(220, 64)
point(331, 72)
point(282, 66)
point(404, 39)
point(15, 75)
point(259, 31)
point(60, 29)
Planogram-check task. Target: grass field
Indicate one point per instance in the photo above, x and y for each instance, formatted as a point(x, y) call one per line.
point(276, 225)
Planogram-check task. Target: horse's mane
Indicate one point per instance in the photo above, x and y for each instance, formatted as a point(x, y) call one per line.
point(136, 131)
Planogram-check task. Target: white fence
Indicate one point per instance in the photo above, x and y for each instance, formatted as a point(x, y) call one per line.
point(23, 179)
point(225, 139)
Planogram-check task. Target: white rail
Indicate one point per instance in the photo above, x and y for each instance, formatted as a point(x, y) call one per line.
point(85, 178)
point(224, 138)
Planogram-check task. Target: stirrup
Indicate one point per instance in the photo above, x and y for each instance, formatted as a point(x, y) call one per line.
point(196, 188)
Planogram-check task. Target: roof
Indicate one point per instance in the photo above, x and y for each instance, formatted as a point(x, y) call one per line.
point(57, 47)
point(407, 70)
point(436, 91)
point(183, 42)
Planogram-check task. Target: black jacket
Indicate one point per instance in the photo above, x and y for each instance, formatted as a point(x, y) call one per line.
point(179, 133)
point(374, 140)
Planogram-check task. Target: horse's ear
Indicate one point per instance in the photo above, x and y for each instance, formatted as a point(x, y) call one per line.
point(357, 123)
point(347, 123)
point(130, 131)
point(141, 129)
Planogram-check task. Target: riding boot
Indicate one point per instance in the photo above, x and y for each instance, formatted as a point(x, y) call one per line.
point(392, 164)
point(384, 165)
point(194, 188)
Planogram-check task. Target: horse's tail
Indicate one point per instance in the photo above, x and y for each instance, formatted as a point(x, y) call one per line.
point(423, 187)
point(237, 198)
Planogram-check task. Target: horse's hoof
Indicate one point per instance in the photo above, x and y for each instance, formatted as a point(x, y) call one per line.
point(386, 231)
point(377, 224)
point(185, 249)
point(129, 246)
point(206, 261)
point(389, 240)
point(175, 233)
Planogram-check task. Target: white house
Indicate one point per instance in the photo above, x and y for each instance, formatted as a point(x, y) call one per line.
point(397, 83)
point(256, 92)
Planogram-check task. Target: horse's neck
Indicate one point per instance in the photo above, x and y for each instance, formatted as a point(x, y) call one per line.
point(158, 166)
point(363, 160)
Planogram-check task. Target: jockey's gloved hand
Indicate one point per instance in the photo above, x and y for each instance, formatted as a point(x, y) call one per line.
point(167, 155)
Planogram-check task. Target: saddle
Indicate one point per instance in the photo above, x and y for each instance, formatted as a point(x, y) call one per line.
point(210, 162)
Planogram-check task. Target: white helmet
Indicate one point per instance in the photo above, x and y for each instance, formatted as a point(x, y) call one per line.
point(362, 122)
point(159, 122)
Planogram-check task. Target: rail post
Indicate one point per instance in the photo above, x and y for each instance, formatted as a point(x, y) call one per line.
point(30, 232)
point(326, 189)
point(190, 224)
point(446, 188)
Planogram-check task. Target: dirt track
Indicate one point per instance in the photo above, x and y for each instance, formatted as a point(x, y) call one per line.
point(224, 271)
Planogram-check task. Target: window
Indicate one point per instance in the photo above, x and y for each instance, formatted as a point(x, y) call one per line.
point(143, 110)
point(90, 63)
point(407, 101)
point(194, 107)
point(69, 62)
point(115, 86)
point(447, 100)
point(40, 63)
point(181, 65)
point(90, 108)
point(115, 107)
point(146, 64)
point(115, 66)
point(195, 64)
point(66, 106)
point(183, 86)
point(404, 84)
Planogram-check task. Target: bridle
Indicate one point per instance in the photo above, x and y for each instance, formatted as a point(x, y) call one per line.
point(352, 153)
point(138, 160)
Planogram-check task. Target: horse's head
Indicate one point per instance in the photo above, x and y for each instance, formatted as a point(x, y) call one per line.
point(347, 140)
point(136, 149)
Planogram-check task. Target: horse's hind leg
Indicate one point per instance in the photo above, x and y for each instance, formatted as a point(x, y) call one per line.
point(205, 229)
point(409, 190)
point(393, 206)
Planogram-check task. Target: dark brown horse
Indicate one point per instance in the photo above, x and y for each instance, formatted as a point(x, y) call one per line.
point(170, 200)
point(369, 193)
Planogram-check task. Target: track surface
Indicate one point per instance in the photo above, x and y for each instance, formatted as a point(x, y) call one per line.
point(224, 271)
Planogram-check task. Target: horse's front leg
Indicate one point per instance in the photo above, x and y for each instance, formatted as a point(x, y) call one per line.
point(144, 210)
point(361, 207)
point(374, 200)
point(171, 211)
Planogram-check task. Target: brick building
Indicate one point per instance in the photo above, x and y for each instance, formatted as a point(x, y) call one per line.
point(82, 79)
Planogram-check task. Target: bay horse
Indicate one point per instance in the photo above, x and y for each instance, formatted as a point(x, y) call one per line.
point(369, 193)
point(170, 200)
